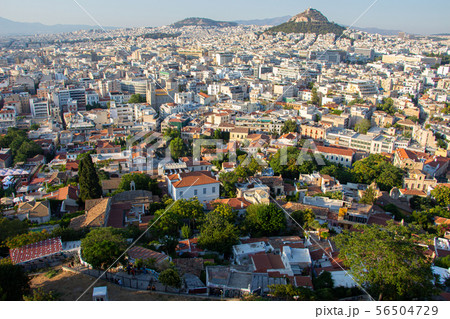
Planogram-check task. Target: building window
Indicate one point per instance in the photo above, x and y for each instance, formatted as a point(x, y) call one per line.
point(195, 192)
point(213, 190)
point(204, 191)
point(181, 194)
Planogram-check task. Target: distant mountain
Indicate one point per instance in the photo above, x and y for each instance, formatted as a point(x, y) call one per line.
point(203, 22)
point(9, 27)
point(309, 21)
point(268, 21)
point(377, 30)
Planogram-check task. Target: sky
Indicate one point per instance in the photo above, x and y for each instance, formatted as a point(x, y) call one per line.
point(412, 16)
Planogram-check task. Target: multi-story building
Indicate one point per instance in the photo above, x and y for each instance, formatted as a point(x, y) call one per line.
point(62, 97)
point(39, 108)
point(312, 131)
point(362, 88)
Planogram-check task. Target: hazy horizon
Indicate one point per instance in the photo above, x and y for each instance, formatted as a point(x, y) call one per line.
point(406, 15)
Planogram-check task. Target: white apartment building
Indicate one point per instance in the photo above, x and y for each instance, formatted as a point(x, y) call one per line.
point(362, 88)
point(92, 98)
point(39, 108)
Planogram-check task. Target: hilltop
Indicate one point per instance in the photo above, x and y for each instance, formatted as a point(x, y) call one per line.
point(203, 22)
point(309, 21)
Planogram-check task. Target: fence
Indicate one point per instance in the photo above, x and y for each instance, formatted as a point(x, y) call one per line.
point(139, 281)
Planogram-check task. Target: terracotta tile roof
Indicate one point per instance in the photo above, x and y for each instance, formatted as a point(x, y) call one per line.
point(112, 183)
point(68, 192)
point(303, 281)
point(437, 161)
point(72, 165)
point(193, 179)
point(441, 220)
point(37, 250)
point(335, 150)
point(240, 130)
point(138, 252)
point(117, 213)
point(263, 262)
point(379, 219)
point(77, 222)
point(188, 245)
point(41, 209)
point(96, 216)
point(204, 95)
point(412, 155)
point(413, 192)
point(37, 181)
point(234, 203)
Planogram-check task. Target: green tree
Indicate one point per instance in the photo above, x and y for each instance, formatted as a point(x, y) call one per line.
point(241, 172)
point(176, 147)
point(102, 247)
point(217, 232)
point(443, 262)
point(183, 211)
point(141, 181)
point(34, 127)
point(41, 295)
point(376, 168)
point(363, 126)
point(369, 196)
point(228, 182)
point(324, 280)
point(26, 239)
point(423, 218)
point(289, 292)
point(290, 162)
point(218, 135)
point(253, 167)
point(226, 212)
point(88, 179)
point(387, 261)
point(264, 220)
point(11, 228)
point(315, 99)
point(289, 126)
point(14, 282)
point(186, 231)
point(442, 195)
point(387, 106)
point(341, 173)
point(171, 133)
point(304, 217)
point(357, 101)
point(170, 277)
point(136, 98)
point(21, 146)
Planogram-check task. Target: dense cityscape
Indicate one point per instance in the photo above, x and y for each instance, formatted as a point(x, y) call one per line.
point(211, 160)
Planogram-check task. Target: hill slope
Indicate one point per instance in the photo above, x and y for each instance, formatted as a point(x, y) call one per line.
point(203, 22)
point(309, 21)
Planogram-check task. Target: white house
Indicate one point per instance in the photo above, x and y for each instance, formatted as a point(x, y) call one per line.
point(337, 155)
point(242, 252)
point(200, 184)
point(295, 259)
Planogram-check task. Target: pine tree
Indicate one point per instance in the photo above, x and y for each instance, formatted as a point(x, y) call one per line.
point(88, 179)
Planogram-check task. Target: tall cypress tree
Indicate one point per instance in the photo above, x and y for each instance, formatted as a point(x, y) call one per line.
point(89, 183)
